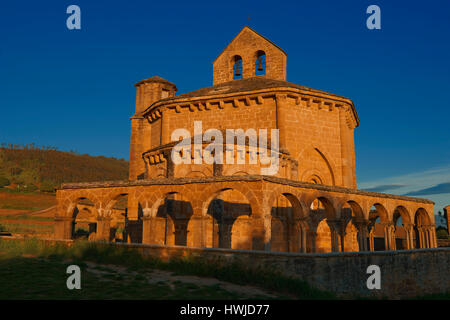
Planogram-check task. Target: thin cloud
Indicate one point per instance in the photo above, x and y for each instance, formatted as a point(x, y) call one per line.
point(433, 184)
point(385, 187)
point(437, 189)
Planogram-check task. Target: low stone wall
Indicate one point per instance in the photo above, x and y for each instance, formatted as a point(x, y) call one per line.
point(406, 273)
point(443, 242)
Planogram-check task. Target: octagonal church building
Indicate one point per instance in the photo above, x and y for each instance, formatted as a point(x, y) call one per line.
point(285, 181)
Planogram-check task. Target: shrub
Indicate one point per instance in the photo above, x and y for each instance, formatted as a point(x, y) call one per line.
point(28, 188)
point(47, 186)
point(4, 182)
point(442, 233)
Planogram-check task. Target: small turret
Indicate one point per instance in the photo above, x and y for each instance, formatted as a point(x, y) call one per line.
point(152, 89)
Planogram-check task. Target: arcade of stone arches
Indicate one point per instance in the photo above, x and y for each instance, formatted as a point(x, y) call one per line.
point(250, 215)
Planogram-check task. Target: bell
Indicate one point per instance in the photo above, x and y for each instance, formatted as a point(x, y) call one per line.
point(238, 72)
point(260, 67)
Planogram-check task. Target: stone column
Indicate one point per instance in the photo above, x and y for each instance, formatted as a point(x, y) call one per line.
point(430, 236)
point(165, 134)
point(195, 234)
point(312, 238)
point(103, 228)
point(347, 179)
point(260, 234)
point(409, 236)
point(362, 234)
point(426, 235)
point(393, 239)
point(302, 237)
point(146, 229)
point(421, 237)
point(388, 243)
point(267, 233)
point(342, 233)
point(63, 227)
point(433, 233)
point(335, 230)
point(371, 240)
point(282, 109)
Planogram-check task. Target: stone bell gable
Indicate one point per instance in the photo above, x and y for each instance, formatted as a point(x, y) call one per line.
point(248, 45)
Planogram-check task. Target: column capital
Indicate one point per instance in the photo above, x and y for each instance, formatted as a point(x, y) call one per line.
point(334, 224)
point(408, 226)
point(361, 223)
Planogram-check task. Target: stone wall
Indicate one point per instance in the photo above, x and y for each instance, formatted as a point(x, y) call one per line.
point(404, 274)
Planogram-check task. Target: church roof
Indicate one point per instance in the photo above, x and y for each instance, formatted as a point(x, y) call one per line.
point(244, 85)
point(155, 79)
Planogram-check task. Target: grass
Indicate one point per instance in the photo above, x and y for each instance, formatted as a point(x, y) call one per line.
point(25, 228)
point(19, 271)
point(26, 217)
point(11, 199)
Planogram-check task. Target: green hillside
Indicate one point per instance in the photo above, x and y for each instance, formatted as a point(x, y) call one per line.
point(30, 168)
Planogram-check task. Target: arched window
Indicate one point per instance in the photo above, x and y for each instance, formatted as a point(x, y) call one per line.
point(237, 68)
point(260, 63)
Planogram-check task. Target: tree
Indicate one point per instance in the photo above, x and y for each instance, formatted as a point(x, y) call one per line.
point(47, 186)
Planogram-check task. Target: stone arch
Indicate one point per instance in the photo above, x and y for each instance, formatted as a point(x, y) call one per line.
point(322, 203)
point(379, 232)
point(312, 157)
point(401, 220)
point(70, 203)
point(312, 176)
point(197, 171)
point(72, 211)
point(170, 217)
point(234, 171)
point(150, 199)
point(356, 208)
point(228, 220)
point(84, 220)
point(381, 212)
point(288, 232)
point(322, 218)
point(238, 65)
point(422, 231)
point(213, 190)
point(353, 236)
point(421, 217)
point(116, 210)
point(239, 173)
point(260, 64)
point(403, 213)
point(112, 199)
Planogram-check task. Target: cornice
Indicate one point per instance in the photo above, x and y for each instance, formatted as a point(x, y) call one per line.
point(243, 99)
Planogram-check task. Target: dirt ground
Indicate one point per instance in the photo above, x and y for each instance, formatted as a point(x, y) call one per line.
point(157, 276)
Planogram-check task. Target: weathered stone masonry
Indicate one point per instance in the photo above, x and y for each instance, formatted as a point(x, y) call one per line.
point(299, 233)
point(310, 205)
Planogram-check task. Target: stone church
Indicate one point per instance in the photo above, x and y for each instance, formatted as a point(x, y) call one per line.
point(310, 204)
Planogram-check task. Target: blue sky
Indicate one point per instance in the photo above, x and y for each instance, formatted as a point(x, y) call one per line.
point(73, 89)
